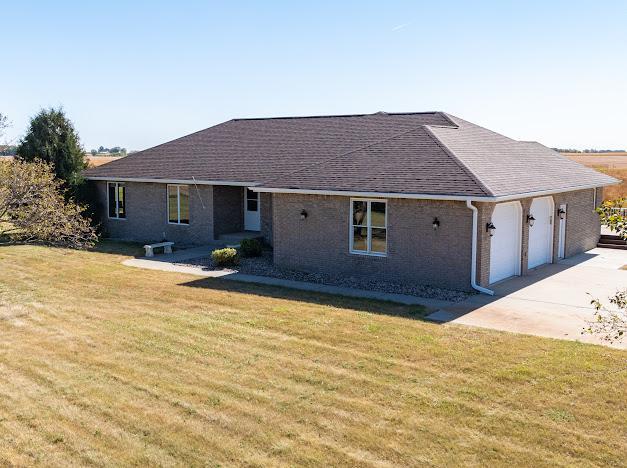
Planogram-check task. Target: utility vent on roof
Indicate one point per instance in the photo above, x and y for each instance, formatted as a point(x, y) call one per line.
point(380, 113)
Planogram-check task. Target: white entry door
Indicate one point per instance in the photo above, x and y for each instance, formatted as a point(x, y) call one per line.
point(505, 243)
point(252, 218)
point(562, 234)
point(541, 233)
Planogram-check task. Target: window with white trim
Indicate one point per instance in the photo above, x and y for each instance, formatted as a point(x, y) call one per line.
point(178, 204)
point(368, 234)
point(117, 200)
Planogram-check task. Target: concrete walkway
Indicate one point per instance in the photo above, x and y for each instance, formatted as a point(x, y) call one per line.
point(169, 262)
point(552, 301)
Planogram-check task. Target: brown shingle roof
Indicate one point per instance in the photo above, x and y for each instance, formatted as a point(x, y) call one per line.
point(411, 153)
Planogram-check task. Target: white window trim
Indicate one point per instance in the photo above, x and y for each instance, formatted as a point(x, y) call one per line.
point(368, 227)
point(178, 204)
point(594, 199)
point(117, 201)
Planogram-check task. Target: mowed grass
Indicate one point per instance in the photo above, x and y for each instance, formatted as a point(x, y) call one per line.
point(102, 364)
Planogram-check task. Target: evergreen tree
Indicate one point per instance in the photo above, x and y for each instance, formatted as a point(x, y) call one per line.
point(51, 138)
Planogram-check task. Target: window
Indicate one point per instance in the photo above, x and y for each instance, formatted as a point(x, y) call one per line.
point(368, 233)
point(178, 204)
point(252, 200)
point(117, 200)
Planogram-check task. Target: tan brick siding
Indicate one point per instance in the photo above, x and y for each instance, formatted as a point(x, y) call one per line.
point(266, 217)
point(146, 215)
point(416, 253)
point(228, 209)
point(583, 227)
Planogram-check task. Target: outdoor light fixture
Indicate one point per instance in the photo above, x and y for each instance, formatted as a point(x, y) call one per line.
point(561, 212)
point(490, 228)
point(530, 220)
point(303, 214)
point(436, 224)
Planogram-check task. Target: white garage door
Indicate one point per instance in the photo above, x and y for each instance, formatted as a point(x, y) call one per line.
point(505, 244)
point(541, 233)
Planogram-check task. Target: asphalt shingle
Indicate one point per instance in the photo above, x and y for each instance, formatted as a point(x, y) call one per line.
point(429, 153)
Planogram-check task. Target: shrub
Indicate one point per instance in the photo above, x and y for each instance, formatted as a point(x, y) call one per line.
point(250, 248)
point(224, 257)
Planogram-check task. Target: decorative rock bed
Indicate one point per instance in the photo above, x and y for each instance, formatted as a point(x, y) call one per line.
point(263, 266)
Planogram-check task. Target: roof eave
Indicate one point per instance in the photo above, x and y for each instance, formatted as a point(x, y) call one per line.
point(424, 196)
point(174, 181)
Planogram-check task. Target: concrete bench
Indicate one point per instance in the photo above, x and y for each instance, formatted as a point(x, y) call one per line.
point(150, 248)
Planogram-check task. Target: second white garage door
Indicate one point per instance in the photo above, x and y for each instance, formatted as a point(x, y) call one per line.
point(505, 244)
point(541, 233)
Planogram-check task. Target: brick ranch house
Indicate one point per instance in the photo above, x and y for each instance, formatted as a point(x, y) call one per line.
point(425, 197)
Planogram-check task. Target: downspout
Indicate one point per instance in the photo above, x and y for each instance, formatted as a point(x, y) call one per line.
point(473, 255)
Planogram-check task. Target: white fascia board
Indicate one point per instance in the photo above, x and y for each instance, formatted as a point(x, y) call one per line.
point(173, 181)
point(360, 194)
point(419, 196)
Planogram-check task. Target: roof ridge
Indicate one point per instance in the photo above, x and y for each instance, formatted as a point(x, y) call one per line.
point(341, 116)
point(341, 155)
point(457, 159)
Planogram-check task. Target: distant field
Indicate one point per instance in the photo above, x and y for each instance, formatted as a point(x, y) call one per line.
point(92, 161)
point(613, 164)
point(95, 161)
point(605, 160)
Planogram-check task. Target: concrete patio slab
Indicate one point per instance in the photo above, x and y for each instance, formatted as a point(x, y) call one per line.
point(552, 301)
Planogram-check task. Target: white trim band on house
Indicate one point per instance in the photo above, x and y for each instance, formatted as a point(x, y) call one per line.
point(419, 196)
point(174, 181)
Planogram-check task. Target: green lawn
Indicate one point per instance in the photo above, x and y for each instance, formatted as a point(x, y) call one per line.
point(102, 364)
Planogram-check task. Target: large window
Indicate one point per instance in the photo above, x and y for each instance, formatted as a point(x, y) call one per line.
point(178, 204)
point(117, 200)
point(368, 227)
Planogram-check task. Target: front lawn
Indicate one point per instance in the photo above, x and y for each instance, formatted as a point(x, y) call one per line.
point(102, 364)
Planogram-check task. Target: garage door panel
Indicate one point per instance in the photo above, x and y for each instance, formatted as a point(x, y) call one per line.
point(505, 243)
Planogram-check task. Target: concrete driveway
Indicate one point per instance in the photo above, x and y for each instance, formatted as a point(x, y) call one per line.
point(551, 301)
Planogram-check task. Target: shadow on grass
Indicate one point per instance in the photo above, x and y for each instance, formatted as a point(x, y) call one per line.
point(115, 247)
point(323, 299)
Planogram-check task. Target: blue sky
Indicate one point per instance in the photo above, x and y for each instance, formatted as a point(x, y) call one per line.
point(139, 74)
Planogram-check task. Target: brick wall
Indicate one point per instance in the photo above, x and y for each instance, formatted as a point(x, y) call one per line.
point(146, 215)
point(582, 222)
point(416, 253)
point(266, 217)
point(228, 209)
point(484, 216)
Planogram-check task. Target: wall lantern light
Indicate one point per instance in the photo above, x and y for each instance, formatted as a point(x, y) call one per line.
point(490, 228)
point(436, 224)
point(530, 220)
point(561, 212)
point(303, 214)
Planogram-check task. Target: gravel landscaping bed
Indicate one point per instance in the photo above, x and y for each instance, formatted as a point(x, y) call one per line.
point(263, 266)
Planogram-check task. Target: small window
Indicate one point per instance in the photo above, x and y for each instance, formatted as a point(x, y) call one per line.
point(252, 200)
point(368, 227)
point(117, 200)
point(178, 204)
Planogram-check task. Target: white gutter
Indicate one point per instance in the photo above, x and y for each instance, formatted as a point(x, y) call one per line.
point(419, 196)
point(346, 193)
point(473, 255)
point(172, 181)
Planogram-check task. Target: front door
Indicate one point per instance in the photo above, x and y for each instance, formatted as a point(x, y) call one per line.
point(541, 233)
point(251, 210)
